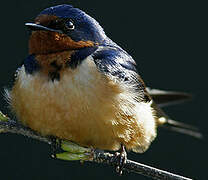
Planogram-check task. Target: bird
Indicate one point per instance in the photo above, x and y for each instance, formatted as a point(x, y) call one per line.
point(77, 84)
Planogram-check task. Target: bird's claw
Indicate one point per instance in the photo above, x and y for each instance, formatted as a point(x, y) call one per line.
point(121, 159)
point(55, 145)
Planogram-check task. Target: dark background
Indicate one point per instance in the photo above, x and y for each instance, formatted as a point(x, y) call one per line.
point(168, 42)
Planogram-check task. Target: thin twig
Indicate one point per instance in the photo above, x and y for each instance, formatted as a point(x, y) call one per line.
point(16, 128)
point(136, 167)
point(10, 126)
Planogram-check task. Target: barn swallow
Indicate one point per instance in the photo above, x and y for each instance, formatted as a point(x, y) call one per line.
point(77, 84)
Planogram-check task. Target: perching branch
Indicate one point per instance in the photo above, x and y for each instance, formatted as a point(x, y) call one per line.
point(138, 168)
point(10, 126)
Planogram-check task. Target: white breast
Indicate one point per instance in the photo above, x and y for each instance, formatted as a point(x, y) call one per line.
point(84, 106)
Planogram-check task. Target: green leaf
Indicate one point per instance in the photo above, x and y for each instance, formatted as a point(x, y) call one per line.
point(3, 117)
point(74, 148)
point(73, 157)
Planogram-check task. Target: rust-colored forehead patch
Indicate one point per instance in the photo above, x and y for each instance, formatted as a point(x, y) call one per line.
point(45, 19)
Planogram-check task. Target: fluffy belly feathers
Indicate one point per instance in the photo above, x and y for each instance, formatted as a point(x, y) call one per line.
point(85, 107)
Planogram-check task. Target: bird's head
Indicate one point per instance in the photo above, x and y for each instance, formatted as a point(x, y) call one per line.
point(63, 28)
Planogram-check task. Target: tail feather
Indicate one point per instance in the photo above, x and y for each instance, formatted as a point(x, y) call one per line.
point(180, 127)
point(165, 122)
point(166, 98)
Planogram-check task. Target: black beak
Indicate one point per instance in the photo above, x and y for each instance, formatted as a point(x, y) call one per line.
point(38, 27)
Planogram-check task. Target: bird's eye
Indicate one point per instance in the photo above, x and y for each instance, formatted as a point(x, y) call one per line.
point(70, 25)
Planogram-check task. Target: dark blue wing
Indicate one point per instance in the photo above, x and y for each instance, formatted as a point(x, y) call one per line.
point(113, 61)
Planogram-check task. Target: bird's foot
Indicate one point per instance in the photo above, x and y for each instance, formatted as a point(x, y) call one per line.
point(121, 158)
point(74, 152)
point(55, 145)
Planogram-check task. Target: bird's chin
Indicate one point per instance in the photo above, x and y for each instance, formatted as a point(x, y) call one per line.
point(47, 42)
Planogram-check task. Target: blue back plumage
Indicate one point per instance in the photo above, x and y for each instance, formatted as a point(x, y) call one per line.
point(115, 62)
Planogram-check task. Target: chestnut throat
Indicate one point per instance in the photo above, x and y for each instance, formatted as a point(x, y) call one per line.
point(53, 51)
